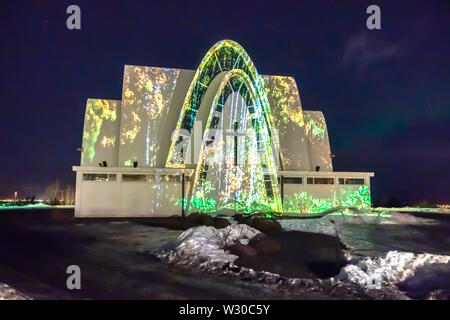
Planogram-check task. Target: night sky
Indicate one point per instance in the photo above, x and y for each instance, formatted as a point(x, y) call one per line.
point(385, 93)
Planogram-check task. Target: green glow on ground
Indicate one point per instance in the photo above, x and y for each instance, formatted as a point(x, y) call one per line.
point(299, 203)
point(14, 206)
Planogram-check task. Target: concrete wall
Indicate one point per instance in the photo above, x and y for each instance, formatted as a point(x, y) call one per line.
point(316, 134)
point(101, 132)
point(139, 127)
point(286, 107)
point(309, 195)
point(151, 104)
point(114, 194)
point(159, 192)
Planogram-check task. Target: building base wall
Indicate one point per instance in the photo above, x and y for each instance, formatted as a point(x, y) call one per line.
point(150, 192)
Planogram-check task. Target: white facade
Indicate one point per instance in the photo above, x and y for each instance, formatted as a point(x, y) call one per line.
point(134, 137)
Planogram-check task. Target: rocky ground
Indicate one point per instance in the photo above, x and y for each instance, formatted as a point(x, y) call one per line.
point(37, 247)
point(356, 254)
point(339, 256)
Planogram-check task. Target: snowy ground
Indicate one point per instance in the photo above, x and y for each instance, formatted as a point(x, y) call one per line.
point(331, 224)
point(374, 270)
point(414, 209)
point(390, 256)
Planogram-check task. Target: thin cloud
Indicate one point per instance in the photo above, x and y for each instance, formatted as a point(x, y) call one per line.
point(363, 51)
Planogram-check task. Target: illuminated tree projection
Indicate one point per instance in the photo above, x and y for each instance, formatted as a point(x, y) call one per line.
point(247, 186)
point(303, 202)
point(237, 166)
point(255, 149)
point(145, 103)
point(99, 133)
point(225, 55)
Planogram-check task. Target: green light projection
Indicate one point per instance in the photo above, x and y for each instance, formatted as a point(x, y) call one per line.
point(237, 168)
point(225, 55)
point(298, 203)
point(99, 132)
point(284, 98)
point(303, 202)
point(315, 129)
point(147, 92)
point(237, 165)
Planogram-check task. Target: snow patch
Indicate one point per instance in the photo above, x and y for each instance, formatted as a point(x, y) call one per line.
point(330, 224)
point(203, 249)
point(394, 267)
point(317, 225)
point(204, 246)
point(8, 293)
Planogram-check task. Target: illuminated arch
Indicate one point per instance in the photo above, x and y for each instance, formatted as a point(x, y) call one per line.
point(237, 80)
point(225, 55)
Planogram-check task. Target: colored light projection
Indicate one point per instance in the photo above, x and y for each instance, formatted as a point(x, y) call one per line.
point(237, 167)
point(317, 136)
point(282, 93)
point(146, 97)
point(223, 56)
point(284, 99)
point(315, 128)
point(253, 122)
point(100, 133)
point(303, 202)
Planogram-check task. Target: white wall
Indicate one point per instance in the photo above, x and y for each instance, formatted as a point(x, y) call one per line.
point(159, 196)
point(286, 107)
point(329, 192)
point(150, 199)
point(99, 199)
point(151, 104)
point(316, 133)
point(101, 132)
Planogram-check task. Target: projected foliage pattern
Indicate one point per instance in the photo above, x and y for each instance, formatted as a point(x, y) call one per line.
point(145, 103)
point(230, 56)
point(237, 168)
point(99, 130)
point(284, 99)
point(237, 164)
point(225, 55)
point(304, 202)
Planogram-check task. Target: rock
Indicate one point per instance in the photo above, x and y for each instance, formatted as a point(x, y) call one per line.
point(262, 243)
point(240, 250)
point(207, 220)
point(426, 279)
point(220, 223)
point(197, 219)
point(194, 218)
point(263, 225)
point(416, 274)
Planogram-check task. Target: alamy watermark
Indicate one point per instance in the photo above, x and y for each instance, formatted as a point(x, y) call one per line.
point(374, 20)
point(73, 21)
point(189, 145)
point(74, 280)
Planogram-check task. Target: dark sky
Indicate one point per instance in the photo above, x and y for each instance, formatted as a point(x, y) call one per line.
point(385, 93)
